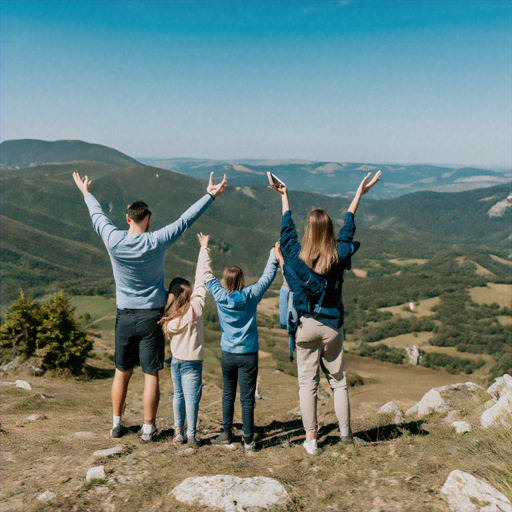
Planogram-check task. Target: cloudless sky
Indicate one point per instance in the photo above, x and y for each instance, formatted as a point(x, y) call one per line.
point(356, 80)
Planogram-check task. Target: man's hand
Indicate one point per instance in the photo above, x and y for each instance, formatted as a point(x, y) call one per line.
point(364, 187)
point(82, 183)
point(215, 190)
point(278, 254)
point(203, 239)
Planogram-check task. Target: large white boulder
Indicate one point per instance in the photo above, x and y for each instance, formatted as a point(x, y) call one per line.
point(432, 402)
point(393, 409)
point(465, 493)
point(231, 493)
point(501, 386)
point(498, 414)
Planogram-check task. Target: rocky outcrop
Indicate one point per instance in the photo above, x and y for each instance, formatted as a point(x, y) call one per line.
point(432, 402)
point(231, 493)
point(465, 493)
point(413, 355)
point(499, 413)
point(392, 409)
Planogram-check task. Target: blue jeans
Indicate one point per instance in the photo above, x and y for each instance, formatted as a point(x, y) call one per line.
point(187, 380)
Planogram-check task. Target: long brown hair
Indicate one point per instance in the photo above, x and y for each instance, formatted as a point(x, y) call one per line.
point(319, 248)
point(178, 302)
point(233, 277)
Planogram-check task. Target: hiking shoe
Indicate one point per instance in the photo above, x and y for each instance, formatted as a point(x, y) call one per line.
point(192, 442)
point(178, 438)
point(348, 440)
point(250, 447)
point(118, 431)
point(310, 446)
point(223, 438)
point(148, 437)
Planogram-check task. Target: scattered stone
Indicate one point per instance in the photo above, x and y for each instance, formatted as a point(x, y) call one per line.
point(461, 386)
point(451, 417)
point(412, 410)
point(4, 383)
point(231, 446)
point(231, 493)
point(95, 473)
point(111, 452)
point(432, 402)
point(186, 451)
point(498, 414)
point(121, 479)
point(11, 365)
point(393, 409)
point(295, 411)
point(101, 490)
point(23, 384)
point(37, 371)
point(465, 493)
point(461, 426)
point(502, 385)
point(36, 417)
point(46, 496)
point(413, 354)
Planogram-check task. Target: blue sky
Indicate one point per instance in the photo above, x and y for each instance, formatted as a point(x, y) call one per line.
point(353, 80)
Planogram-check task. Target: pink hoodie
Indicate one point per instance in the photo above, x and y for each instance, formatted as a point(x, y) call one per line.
point(187, 332)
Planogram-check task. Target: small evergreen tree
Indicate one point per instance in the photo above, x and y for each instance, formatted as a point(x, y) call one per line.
point(19, 332)
point(61, 341)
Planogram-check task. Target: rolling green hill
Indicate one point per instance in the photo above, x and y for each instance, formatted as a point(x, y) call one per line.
point(24, 153)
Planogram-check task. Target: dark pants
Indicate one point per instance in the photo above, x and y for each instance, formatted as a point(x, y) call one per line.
point(243, 368)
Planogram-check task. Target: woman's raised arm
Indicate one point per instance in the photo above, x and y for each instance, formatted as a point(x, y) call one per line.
point(363, 188)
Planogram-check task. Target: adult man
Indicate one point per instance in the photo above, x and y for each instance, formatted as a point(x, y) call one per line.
point(138, 258)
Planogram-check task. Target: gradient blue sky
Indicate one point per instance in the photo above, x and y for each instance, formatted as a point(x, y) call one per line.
point(354, 80)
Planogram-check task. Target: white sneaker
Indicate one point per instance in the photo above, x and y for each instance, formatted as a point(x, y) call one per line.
point(310, 446)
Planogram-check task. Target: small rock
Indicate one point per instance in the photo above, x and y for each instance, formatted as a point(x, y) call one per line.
point(36, 417)
point(231, 446)
point(412, 410)
point(465, 493)
point(432, 402)
point(23, 384)
point(46, 496)
point(11, 365)
point(37, 371)
point(95, 473)
point(393, 409)
point(500, 386)
point(121, 479)
point(111, 452)
point(5, 383)
point(295, 411)
point(231, 493)
point(101, 490)
point(451, 417)
point(186, 451)
point(461, 426)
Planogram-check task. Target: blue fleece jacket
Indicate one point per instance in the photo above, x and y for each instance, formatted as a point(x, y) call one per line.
point(138, 260)
point(237, 310)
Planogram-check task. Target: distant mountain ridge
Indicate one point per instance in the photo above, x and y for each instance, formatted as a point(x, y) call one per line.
point(338, 178)
point(23, 153)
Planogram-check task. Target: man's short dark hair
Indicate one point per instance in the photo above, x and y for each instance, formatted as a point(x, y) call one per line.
point(138, 211)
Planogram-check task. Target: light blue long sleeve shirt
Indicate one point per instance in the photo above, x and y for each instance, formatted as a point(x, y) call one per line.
point(237, 310)
point(138, 260)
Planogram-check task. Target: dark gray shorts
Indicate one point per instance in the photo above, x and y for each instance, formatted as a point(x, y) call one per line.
point(139, 340)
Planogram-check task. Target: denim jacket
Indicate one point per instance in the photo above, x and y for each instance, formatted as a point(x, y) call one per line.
point(296, 272)
point(237, 310)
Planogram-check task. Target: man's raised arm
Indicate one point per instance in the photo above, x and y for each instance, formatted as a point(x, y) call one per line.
point(170, 233)
point(101, 223)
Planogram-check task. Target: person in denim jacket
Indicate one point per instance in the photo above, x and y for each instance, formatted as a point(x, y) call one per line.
point(236, 306)
point(322, 258)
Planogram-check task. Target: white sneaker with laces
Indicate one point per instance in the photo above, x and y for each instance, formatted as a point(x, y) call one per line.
point(310, 446)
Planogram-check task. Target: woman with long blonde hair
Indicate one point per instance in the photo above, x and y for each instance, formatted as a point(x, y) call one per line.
point(182, 323)
point(314, 272)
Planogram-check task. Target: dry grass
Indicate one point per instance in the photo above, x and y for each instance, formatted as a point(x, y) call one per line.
point(493, 292)
point(422, 308)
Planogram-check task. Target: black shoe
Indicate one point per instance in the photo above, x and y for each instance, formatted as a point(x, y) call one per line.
point(118, 431)
point(223, 438)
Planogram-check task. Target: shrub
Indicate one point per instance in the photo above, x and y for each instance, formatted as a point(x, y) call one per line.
point(19, 332)
point(61, 341)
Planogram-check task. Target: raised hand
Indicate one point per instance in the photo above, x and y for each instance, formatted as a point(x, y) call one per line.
point(366, 185)
point(82, 183)
point(215, 190)
point(203, 239)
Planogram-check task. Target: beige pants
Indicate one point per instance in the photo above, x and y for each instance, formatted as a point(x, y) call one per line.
point(320, 346)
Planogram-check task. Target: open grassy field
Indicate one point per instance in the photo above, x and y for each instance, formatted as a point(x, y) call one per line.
point(493, 292)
